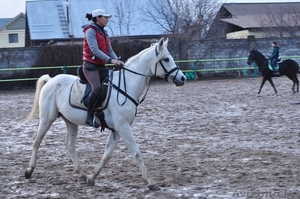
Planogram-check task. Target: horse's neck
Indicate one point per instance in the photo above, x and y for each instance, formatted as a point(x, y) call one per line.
point(260, 59)
point(135, 83)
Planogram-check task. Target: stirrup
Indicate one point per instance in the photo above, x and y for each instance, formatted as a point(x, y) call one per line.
point(92, 123)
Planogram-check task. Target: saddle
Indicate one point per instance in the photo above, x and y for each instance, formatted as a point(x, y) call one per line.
point(81, 89)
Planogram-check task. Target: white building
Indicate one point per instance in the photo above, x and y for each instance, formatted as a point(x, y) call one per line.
point(12, 31)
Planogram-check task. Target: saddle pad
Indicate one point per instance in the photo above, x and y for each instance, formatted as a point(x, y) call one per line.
point(77, 94)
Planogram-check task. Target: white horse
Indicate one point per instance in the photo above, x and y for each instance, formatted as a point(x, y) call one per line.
point(52, 100)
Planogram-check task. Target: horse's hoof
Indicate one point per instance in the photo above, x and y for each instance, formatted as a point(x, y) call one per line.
point(90, 182)
point(28, 173)
point(83, 178)
point(154, 187)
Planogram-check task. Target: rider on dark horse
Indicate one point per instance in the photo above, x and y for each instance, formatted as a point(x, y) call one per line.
point(274, 57)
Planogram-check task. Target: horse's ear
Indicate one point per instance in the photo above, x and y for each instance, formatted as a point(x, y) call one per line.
point(160, 45)
point(166, 42)
point(161, 42)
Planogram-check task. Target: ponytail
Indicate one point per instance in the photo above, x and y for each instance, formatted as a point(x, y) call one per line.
point(88, 16)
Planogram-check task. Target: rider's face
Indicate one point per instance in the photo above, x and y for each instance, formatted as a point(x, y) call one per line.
point(102, 21)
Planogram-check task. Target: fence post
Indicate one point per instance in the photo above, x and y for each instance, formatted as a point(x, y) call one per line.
point(255, 69)
point(195, 69)
point(64, 69)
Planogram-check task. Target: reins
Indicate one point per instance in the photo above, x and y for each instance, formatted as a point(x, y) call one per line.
point(124, 92)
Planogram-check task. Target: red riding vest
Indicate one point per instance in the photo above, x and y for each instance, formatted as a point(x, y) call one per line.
point(103, 44)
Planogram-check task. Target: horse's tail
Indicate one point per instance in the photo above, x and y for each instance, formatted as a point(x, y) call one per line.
point(298, 67)
point(39, 85)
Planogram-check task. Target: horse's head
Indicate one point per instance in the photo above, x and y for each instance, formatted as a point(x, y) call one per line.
point(255, 56)
point(165, 66)
point(251, 57)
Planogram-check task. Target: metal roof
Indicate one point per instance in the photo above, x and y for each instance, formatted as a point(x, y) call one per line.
point(47, 19)
point(241, 9)
point(258, 21)
point(4, 21)
point(256, 15)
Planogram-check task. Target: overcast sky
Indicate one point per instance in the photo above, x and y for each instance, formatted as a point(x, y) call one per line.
point(11, 8)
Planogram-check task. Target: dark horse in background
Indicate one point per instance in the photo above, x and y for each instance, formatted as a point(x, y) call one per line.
point(287, 67)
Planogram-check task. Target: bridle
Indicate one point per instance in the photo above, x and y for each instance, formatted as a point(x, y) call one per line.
point(124, 92)
point(167, 73)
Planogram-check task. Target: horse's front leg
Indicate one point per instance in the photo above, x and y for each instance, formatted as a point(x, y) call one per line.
point(112, 141)
point(271, 82)
point(127, 136)
point(262, 84)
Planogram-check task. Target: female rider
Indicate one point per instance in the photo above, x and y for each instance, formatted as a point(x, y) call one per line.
point(97, 52)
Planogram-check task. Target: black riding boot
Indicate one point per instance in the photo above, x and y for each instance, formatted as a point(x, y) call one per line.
point(275, 72)
point(90, 111)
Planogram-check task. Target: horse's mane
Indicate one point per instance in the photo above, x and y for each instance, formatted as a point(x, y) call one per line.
point(136, 57)
point(258, 54)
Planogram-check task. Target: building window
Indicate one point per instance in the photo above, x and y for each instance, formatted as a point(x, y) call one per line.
point(13, 38)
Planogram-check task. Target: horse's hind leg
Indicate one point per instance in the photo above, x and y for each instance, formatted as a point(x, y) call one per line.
point(295, 80)
point(112, 141)
point(44, 125)
point(72, 131)
point(293, 88)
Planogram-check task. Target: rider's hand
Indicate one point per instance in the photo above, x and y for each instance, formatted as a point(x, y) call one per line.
point(117, 62)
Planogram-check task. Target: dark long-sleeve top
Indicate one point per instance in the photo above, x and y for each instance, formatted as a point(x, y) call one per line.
point(275, 53)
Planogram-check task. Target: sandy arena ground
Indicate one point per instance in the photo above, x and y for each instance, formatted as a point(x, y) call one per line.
point(207, 139)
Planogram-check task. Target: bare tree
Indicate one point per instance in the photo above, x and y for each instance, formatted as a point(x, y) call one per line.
point(281, 20)
point(184, 19)
point(161, 14)
point(218, 29)
point(123, 19)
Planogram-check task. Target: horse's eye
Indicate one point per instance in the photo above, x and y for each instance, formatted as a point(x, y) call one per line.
point(166, 59)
